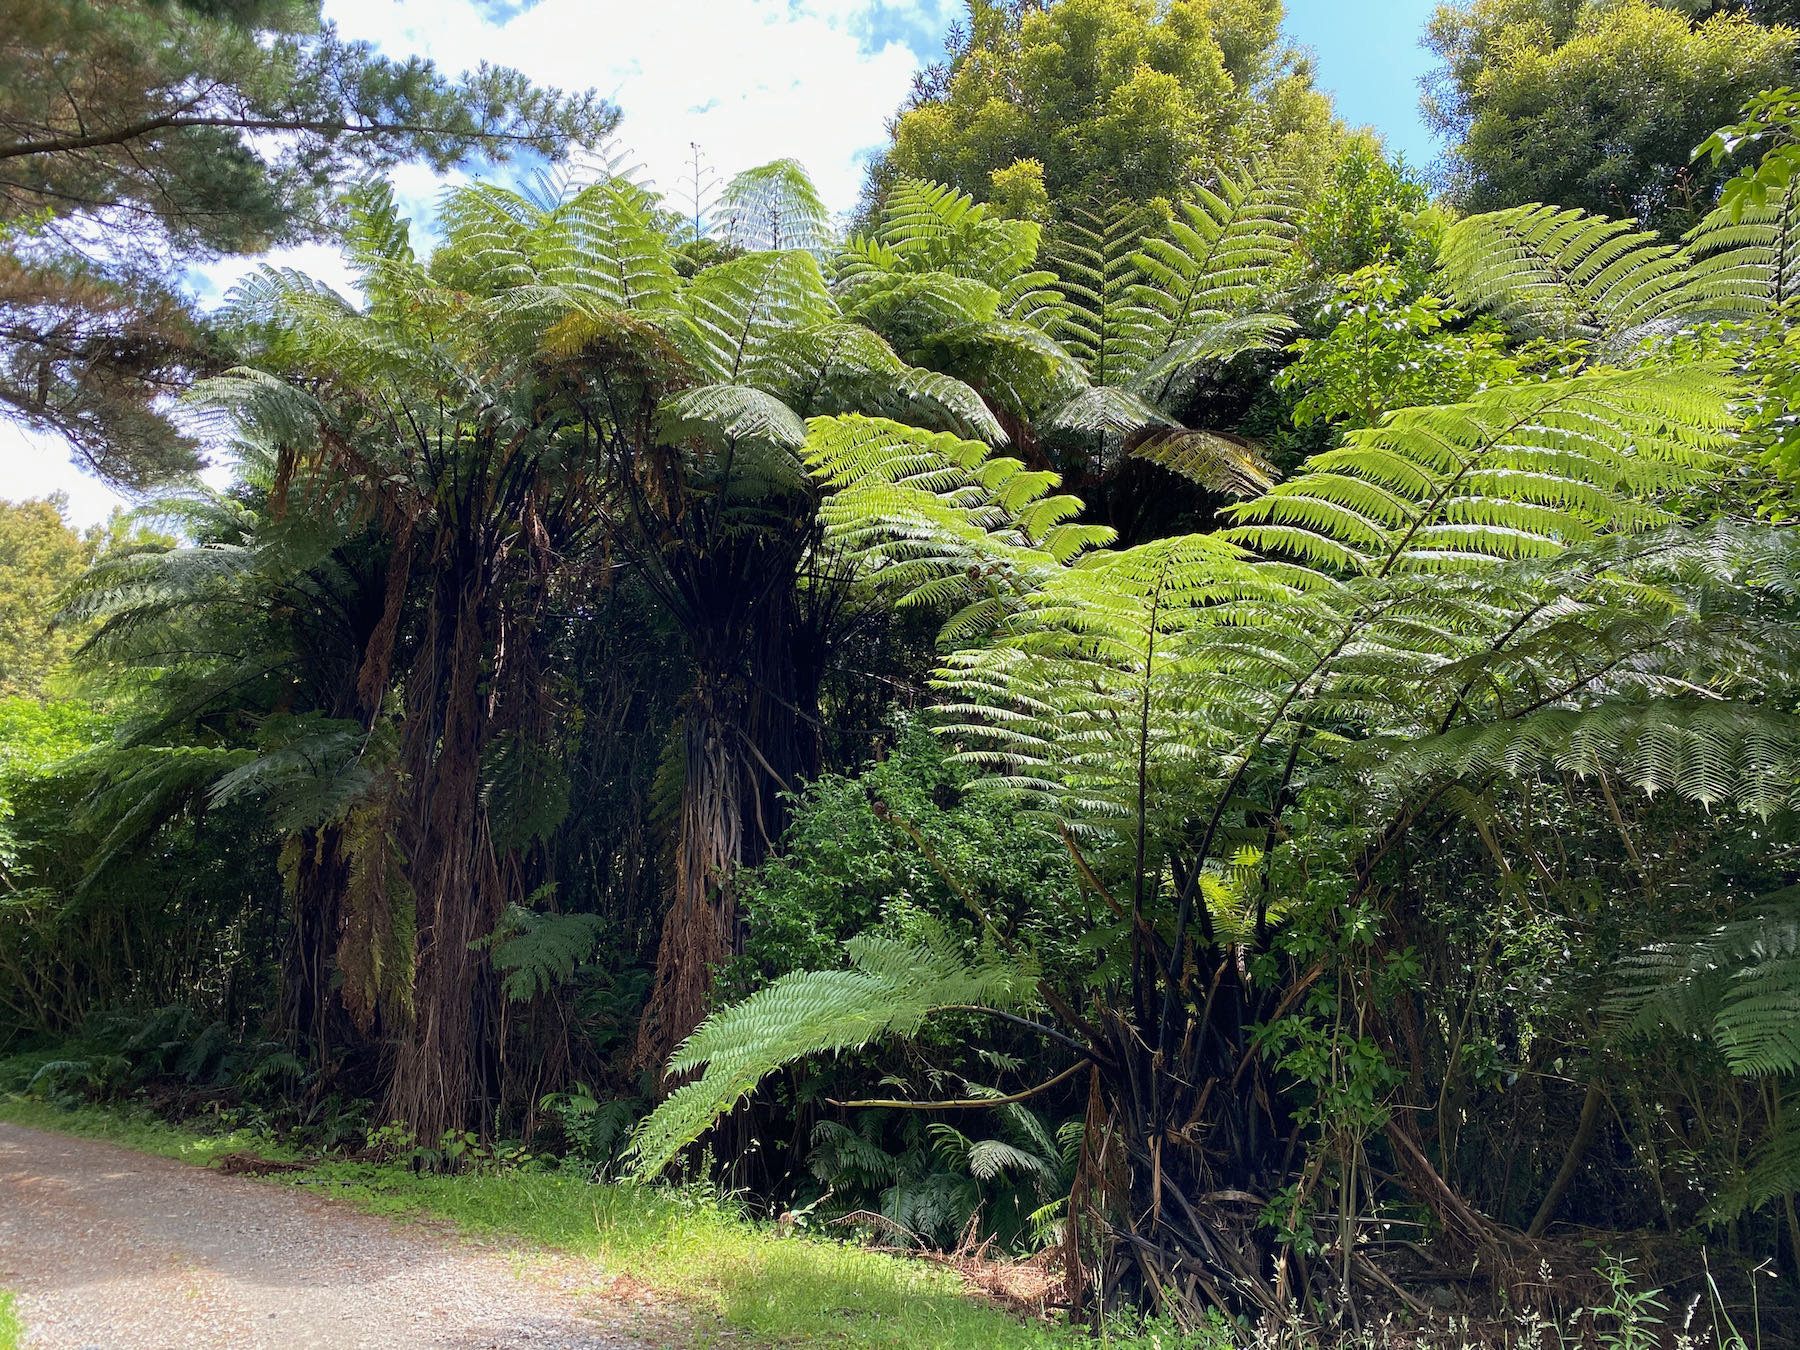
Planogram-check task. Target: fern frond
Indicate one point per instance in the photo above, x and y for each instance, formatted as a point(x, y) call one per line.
point(1708, 751)
point(934, 519)
point(773, 207)
point(1562, 273)
point(1217, 460)
point(891, 987)
point(741, 308)
point(1212, 263)
point(1517, 471)
point(537, 952)
point(1745, 261)
point(1738, 984)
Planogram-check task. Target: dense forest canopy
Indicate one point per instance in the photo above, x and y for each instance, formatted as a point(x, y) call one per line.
point(1180, 696)
point(1597, 104)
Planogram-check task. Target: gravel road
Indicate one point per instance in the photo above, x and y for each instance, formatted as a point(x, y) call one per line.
point(114, 1250)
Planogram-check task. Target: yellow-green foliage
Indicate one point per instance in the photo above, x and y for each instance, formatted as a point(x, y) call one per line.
point(1595, 105)
point(39, 557)
point(1122, 93)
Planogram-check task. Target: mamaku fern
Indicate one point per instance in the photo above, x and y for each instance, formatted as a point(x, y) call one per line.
point(1737, 985)
point(891, 987)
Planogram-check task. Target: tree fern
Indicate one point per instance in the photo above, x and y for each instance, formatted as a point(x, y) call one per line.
point(891, 987)
point(1562, 273)
point(1738, 985)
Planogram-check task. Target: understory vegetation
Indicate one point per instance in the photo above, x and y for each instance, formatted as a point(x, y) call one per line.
point(1172, 705)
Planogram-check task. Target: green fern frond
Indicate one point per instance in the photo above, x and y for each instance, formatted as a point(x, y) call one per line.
point(773, 207)
point(1562, 273)
point(1213, 263)
point(1517, 471)
point(1217, 460)
point(1745, 261)
point(890, 989)
point(1738, 984)
point(934, 519)
point(928, 227)
point(740, 308)
point(538, 952)
point(1713, 752)
point(1094, 253)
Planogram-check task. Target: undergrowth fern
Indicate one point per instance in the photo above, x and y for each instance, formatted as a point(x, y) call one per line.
point(891, 987)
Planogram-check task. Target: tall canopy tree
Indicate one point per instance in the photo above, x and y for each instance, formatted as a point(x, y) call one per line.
point(40, 557)
point(138, 136)
point(1041, 106)
point(1597, 106)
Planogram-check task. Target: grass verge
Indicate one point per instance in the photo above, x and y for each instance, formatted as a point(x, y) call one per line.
point(12, 1331)
point(733, 1273)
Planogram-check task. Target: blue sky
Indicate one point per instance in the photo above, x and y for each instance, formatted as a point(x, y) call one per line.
point(1368, 54)
point(750, 81)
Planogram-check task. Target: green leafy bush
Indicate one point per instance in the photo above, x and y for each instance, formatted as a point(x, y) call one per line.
point(903, 837)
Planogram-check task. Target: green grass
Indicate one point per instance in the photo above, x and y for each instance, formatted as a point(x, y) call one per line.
point(12, 1331)
point(730, 1272)
point(136, 1128)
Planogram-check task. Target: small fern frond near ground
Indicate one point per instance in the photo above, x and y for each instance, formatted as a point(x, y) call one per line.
point(891, 987)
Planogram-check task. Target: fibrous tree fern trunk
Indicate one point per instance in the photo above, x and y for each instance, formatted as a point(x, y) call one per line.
point(748, 736)
point(438, 1077)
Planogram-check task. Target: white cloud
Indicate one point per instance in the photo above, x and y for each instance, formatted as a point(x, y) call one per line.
point(749, 80)
point(34, 465)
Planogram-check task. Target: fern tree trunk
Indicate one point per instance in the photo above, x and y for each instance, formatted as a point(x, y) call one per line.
point(1194, 1141)
point(749, 735)
point(1178, 1153)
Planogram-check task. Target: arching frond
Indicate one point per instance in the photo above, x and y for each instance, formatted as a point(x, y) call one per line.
point(773, 207)
point(1094, 254)
point(1213, 262)
point(933, 519)
point(741, 308)
point(1738, 985)
point(1717, 753)
point(891, 987)
point(928, 227)
point(1746, 261)
point(722, 414)
point(1562, 273)
point(1519, 471)
point(1216, 460)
